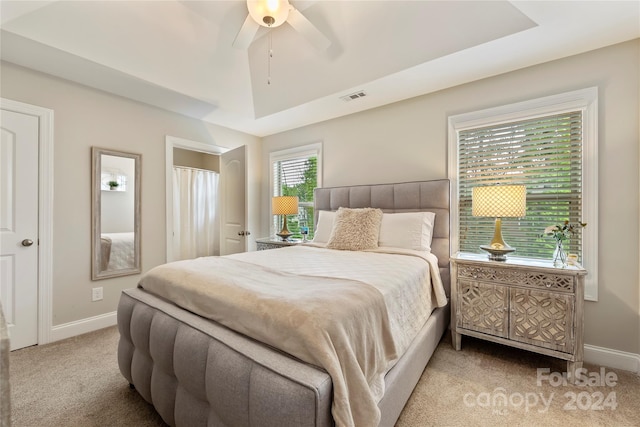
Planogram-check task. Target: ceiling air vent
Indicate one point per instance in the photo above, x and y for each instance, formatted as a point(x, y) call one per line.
point(354, 95)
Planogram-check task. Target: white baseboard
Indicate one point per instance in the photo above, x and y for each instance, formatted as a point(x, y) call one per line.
point(612, 358)
point(82, 326)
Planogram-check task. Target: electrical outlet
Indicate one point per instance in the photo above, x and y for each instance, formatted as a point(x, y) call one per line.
point(96, 294)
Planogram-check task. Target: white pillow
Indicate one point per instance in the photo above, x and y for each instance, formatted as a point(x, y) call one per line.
point(355, 229)
point(324, 227)
point(408, 230)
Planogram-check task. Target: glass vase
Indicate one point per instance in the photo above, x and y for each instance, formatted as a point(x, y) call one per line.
point(559, 255)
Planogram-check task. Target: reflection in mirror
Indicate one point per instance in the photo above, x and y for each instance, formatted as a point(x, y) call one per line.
point(116, 213)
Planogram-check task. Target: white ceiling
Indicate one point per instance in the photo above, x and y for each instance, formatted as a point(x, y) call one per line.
point(178, 55)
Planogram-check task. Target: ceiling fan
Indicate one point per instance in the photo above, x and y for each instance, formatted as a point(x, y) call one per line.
point(273, 13)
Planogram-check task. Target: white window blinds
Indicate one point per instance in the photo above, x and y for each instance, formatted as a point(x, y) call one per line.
point(545, 155)
point(292, 175)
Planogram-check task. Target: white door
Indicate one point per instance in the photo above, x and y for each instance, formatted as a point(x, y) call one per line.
point(233, 202)
point(19, 226)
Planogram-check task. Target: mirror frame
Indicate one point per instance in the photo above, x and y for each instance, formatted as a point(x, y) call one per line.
point(96, 213)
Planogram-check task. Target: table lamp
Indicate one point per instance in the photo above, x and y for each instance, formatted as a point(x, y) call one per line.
point(499, 201)
point(284, 205)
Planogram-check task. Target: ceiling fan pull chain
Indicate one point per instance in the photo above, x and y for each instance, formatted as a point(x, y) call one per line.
point(270, 55)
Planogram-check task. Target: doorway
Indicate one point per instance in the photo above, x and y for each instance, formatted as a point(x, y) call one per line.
point(232, 194)
point(196, 222)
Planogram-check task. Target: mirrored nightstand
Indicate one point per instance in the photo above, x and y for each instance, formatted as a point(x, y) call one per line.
point(275, 243)
point(529, 304)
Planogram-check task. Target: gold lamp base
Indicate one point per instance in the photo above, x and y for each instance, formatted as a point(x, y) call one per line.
point(498, 249)
point(284, 234)
point(497, 254)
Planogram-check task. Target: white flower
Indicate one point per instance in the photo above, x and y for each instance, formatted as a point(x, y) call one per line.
point(550, 229)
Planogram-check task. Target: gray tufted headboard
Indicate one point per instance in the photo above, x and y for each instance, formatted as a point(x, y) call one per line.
point(431, 196)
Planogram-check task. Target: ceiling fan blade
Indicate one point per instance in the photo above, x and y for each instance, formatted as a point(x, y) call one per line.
point(246, 34)
point(302, 5)
point(298, 21)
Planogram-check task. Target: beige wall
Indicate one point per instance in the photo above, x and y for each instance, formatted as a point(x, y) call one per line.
point(84, 117)
point(407, 141)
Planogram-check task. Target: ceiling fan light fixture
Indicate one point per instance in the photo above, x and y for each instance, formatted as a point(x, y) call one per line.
point(269, 13)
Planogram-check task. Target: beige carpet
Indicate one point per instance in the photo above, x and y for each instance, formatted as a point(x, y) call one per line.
point(76, 382)
point(469, 388)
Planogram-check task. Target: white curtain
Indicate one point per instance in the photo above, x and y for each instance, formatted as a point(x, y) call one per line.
point(195, 223)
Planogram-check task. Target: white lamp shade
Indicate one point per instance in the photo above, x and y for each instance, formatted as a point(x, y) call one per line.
point(278, 10)
point(284, 205)
point(499, 201)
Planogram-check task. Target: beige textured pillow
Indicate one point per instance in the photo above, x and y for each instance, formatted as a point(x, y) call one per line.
point(355, 229)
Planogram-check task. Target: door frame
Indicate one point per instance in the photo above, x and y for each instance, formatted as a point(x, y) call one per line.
point(45, 211)
point(172, 142)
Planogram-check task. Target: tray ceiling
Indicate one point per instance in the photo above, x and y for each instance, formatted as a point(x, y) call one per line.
point(178, 55)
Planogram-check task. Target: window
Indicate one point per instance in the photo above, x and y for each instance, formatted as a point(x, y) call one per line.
point(545, 155)
point(296, 172)
point(548, 145)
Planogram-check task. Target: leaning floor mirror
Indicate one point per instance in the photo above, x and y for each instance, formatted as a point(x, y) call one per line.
point(115, 246)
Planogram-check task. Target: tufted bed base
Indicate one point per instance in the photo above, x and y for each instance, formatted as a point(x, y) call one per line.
point(196, 372)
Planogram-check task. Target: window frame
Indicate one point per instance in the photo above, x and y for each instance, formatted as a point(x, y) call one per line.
point(308, 150)
point(584, 100)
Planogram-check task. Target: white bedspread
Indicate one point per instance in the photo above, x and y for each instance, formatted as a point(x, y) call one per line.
point(351, 313)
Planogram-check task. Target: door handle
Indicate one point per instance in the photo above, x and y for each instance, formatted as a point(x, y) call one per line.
point(27, 242)
point(244, 233)
point(240, 233)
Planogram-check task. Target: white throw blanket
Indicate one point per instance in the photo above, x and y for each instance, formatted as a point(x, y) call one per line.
point(335, 309)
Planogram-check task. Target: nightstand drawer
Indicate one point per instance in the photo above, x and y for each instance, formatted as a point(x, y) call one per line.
point(514, 277)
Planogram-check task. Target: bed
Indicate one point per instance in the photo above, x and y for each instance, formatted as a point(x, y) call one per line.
point(196, 371)
point(117, 251)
